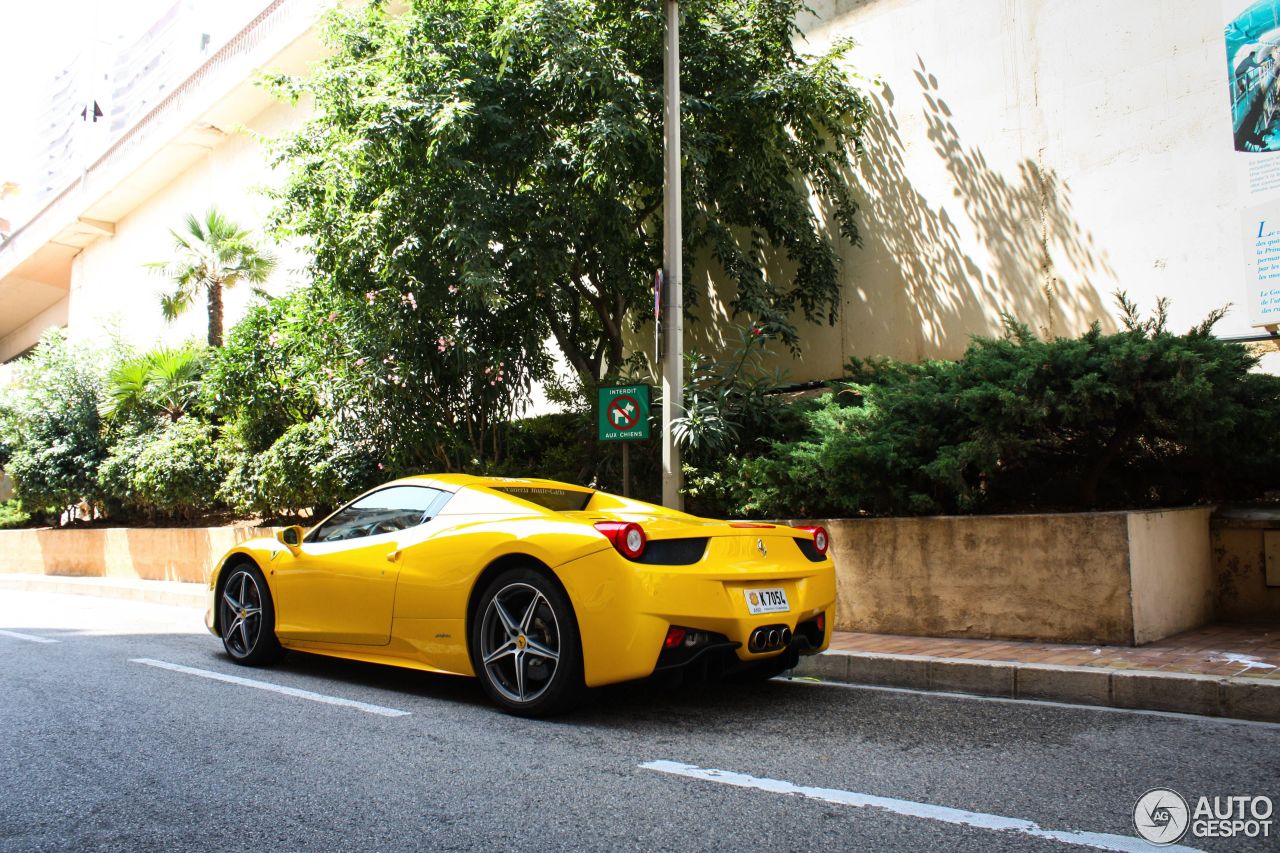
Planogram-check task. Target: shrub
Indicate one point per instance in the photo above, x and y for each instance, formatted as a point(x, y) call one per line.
point(311, 466)
point(172, 471)
point(556, 446)
point(11, 514)
point(1140, 418)
point(50, 434)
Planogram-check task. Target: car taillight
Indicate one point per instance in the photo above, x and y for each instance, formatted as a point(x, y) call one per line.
point(820, 538)
point(627, 536)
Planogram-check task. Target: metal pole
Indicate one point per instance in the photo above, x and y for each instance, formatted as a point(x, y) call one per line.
point(673, 297)
point(626, 469)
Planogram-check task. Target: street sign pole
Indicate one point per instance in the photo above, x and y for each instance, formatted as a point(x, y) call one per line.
point(673, 296)
point(626, 469)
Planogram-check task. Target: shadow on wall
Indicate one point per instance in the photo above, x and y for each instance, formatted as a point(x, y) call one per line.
point(1031, 257)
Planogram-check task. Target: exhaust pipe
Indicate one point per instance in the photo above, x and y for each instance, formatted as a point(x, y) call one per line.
point(769, 638)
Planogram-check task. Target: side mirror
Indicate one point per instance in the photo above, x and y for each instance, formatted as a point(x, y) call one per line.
point(291, 538)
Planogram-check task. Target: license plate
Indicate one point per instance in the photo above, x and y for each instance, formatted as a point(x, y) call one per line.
point(767, 600)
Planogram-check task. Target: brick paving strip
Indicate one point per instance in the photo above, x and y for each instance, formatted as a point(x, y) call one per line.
point(1216, 671)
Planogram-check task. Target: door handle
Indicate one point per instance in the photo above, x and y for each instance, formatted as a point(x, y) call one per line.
point(393, 556)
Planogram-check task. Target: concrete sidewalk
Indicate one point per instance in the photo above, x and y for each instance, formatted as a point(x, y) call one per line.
point(172, 593)
point(1220, 671)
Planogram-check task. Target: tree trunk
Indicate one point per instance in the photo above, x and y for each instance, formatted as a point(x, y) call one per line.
point(215, 315)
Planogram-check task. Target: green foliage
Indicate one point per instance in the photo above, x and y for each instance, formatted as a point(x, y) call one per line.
point(560, 446)
point(382, 371)
point(727, 405)
point(163, 382)
point(212, 253)
point(282, 365)
point(307, 467)
point(1135, 419)
point(499, 163)
point(51, 440)
point(173, 470)
point(12, 515)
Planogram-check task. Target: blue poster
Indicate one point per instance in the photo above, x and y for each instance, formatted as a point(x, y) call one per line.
point(1252, 36)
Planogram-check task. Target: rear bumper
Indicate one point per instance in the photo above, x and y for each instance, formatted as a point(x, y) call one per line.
point(625, 609)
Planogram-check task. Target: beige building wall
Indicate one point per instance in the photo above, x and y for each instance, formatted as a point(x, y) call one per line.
point(1031, 157)
point(111, 287)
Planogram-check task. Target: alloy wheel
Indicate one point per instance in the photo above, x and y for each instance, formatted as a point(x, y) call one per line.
point(241, 617)
point(520, 642)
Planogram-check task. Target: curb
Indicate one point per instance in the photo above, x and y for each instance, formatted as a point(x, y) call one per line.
point(1183, 693)
point(172, 593)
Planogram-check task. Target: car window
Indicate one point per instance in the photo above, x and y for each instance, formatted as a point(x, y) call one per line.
point(384, 511)
point(557, 500)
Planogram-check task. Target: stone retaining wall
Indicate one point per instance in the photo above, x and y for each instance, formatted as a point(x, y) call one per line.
point(1114, 577)
point(151, 553)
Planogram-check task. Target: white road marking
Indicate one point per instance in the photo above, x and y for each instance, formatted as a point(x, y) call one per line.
point(909, 808)
point(30, 638)
point(274, 688)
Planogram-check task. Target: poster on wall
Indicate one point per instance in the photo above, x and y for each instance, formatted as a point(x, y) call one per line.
point(1252, 34)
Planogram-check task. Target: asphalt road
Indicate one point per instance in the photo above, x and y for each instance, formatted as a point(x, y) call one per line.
point(100, 751)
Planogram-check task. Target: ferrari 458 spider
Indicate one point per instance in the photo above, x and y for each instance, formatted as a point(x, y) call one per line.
point(539, 588)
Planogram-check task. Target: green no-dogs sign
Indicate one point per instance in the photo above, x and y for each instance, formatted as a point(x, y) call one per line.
point(623, 412)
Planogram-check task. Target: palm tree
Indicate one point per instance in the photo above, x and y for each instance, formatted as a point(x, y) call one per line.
point(212, 254)
point(164, 381)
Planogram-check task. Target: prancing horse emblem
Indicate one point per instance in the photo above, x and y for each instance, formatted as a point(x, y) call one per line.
point(764, 552)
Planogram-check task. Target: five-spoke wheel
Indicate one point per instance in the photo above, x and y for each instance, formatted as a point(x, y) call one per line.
point(525, 644)
point(246, 619)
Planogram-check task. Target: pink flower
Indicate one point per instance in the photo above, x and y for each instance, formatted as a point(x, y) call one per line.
point(333, 316)
point(370, 296)
point(274, 339)
point(360, 362)
point(453, 288)
point(408, 299)
point(442, 345)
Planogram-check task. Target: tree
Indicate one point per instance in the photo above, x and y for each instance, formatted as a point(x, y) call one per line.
point(212, 254)
point(51, 441)
point(507, 155)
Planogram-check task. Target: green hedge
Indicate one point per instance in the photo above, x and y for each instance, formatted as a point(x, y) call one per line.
point(1141, 418)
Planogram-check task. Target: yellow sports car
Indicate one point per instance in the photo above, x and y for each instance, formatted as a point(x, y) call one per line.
point(539, 588)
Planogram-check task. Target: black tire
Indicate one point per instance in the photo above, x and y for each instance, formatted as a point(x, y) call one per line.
point(247, 617)
point(525, 646)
